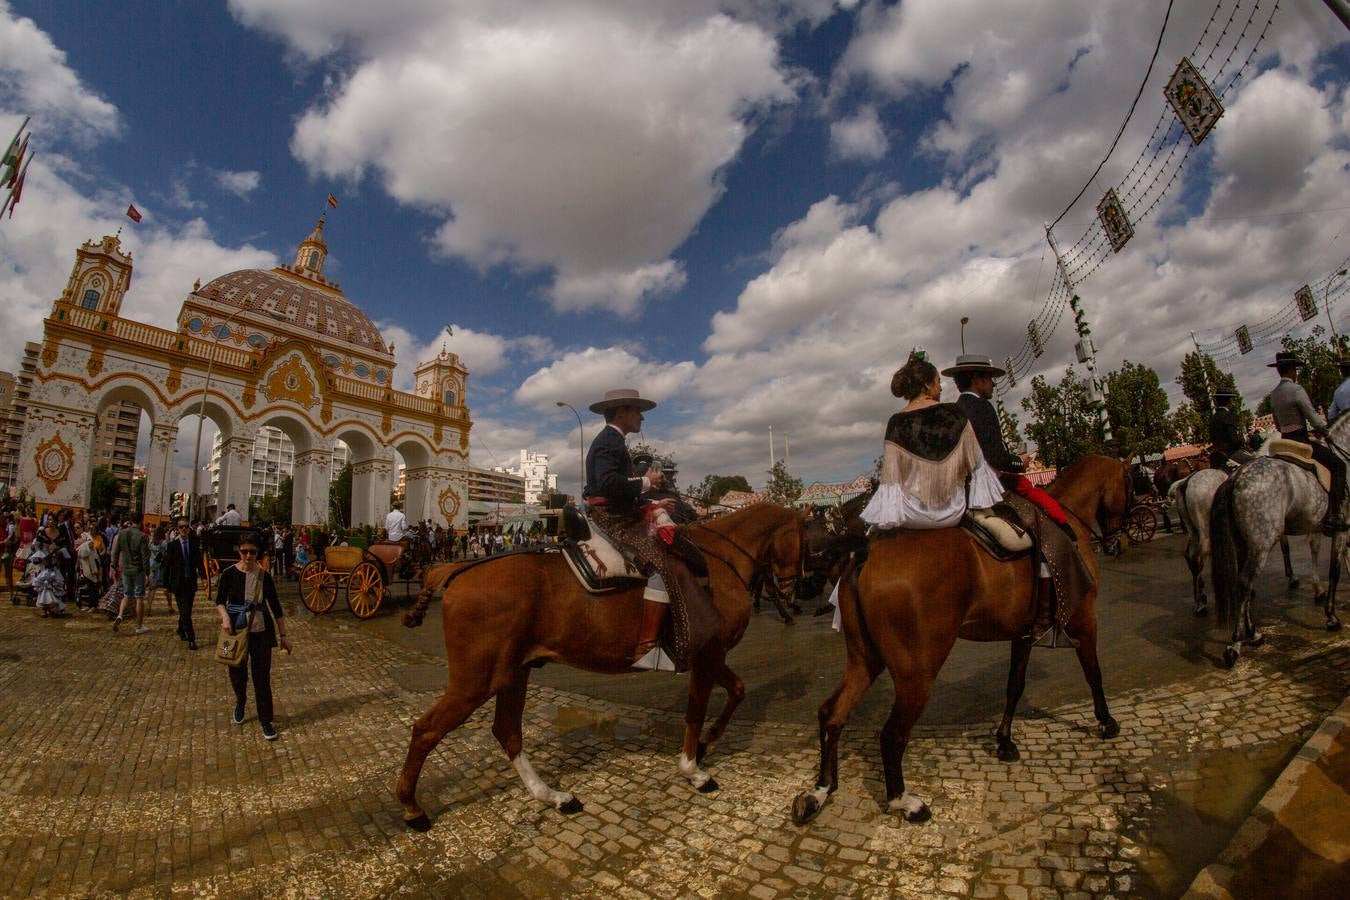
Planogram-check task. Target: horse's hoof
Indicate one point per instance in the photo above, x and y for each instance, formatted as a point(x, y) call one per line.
point(1109, 729)
point(1007, 752)
point(918, 816)
point(1333, 625)
point(804, 808)
point(421, 823)
point(571, 807)
point(1230, 657)
point(708, 786)
point(1202, 609)
point(1256, 640)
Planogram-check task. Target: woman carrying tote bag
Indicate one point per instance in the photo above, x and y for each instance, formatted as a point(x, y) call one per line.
point(247, 599)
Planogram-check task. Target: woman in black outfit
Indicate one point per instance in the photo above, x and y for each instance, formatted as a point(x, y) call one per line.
point(234, 602)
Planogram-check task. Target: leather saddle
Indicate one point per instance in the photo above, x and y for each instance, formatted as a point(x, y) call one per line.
point(599, 565)
point(1300, 454)
point(998, 531)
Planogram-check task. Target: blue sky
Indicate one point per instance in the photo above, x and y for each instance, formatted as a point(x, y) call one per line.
point(749, 209)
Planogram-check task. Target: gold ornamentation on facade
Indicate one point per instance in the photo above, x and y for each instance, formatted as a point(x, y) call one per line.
point(291, 381)
point(95, 364)
point(250, 395)
point(386, 422)
point(449, 502)
point(326, 410)
point(49, 354)
point(175, 379)
point(54, 460)
point(464, 439)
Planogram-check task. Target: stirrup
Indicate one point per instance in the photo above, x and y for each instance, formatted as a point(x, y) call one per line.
point(1058, 639)
point(654, 660)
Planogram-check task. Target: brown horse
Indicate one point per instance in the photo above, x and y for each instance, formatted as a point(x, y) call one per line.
point(921, 590)
point(522, 610)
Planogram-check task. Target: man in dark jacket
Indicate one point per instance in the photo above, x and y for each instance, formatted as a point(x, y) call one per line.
point(1225, 437)
point(182, 559)
point(614, 498)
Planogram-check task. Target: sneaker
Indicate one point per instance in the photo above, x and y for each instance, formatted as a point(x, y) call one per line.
point(238, 717)
point(142, 629)
point(269, 731)
point(117, 621)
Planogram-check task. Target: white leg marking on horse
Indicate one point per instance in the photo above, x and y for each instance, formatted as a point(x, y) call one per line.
point(905, 803)
point(535, 785)
point(820, 793)
point(690, 770)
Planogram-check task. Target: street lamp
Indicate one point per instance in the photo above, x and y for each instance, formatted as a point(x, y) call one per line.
point(581, 444)
point(217, 332)
point(1326, 303)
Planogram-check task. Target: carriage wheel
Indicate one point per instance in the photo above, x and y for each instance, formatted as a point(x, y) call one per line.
point(1141, 525)
point(365, 590)
point(318, 587)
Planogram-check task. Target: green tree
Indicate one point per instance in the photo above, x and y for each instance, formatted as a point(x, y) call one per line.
point(1137, 407)
point(1012, 433)
point(1199, 378)
point(783, 488)
point(138, 496)
point(714, 487)
point(1065, 426)
point(340, 496)
point(102, 489)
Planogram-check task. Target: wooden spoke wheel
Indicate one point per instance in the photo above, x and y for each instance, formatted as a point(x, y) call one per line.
point(318, 587)
point(212, 567)
point(1141, 525)
point(365, 590)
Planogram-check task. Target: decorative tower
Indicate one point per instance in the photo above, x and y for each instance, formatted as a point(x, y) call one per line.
point(443, 379)
point(100, 278)
point(313, 251)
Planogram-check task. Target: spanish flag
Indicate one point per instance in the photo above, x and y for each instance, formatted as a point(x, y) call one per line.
point(332, 201)
point(133, 213)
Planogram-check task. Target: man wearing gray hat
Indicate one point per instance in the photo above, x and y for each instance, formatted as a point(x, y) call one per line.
point(614, 498)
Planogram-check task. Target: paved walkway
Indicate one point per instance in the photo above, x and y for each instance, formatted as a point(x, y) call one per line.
point(121, 773)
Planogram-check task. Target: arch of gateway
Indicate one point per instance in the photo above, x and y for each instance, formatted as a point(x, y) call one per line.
point(253, 348)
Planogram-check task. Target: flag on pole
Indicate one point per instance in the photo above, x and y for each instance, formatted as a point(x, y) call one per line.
point(14, 164)
point(18, 189)
point(450, 330)
point(133, 213)
point(332, 201)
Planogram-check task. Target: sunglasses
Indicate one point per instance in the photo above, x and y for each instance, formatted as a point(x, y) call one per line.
point(248, 552)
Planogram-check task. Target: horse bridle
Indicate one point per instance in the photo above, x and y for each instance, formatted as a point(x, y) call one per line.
point(754, 562)
point(1103, 536)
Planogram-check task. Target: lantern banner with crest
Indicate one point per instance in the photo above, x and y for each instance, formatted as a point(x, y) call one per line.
point(1114, 220)
point(1191, 98)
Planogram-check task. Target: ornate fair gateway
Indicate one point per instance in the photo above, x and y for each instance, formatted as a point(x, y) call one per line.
point(283, 348)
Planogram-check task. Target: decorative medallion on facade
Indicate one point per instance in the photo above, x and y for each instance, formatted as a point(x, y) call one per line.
point(54, 459)
point(291, 381)
point(1115, 221)
point(449, 502)
point(1192, 100)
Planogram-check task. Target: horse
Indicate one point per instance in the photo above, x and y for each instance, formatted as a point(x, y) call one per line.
point(521, 610)
point(1265, 499)
point(921, 590)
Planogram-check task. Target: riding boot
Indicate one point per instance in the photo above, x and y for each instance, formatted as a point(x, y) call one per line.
point(1335, 521)
point(1045, 608)
point(648, 653)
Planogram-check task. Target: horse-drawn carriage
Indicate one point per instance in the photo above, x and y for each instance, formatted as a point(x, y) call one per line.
point(364, 573)
point(220, 549)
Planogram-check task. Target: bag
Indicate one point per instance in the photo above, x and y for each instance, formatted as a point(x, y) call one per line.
point(232, 649)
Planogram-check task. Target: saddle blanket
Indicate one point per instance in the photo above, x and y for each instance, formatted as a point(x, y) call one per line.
point(599, 565)
point(1300, 454)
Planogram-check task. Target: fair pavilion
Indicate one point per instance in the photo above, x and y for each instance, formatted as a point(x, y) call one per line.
point(282, 347)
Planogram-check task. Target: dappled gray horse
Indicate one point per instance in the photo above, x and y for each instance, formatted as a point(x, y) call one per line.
point(1263, 500)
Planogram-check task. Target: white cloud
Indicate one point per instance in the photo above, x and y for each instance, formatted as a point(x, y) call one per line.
point(860, 136)
point(582, 377)
point(35, 80)
point(241, 184)
point(579, 138)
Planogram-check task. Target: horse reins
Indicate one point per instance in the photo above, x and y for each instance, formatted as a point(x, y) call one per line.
point(754, 562)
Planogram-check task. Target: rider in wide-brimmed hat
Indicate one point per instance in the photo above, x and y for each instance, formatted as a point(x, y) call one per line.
point(1298, 420)
point(1225, 437)
point(614, 494)
point(1340, 401)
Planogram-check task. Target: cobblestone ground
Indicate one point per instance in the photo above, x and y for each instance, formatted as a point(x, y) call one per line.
point(120, 773)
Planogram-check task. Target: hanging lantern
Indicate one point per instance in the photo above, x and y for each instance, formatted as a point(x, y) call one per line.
point(1034, 338)
point(1244, 340)
point(1307, 303)
point(1114, 221)
point(1192, 99)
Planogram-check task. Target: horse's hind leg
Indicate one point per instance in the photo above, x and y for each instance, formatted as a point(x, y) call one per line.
point(1195, 561)
point(447, 714)
point(1092, 671)
point(1288, 564)
point(834, 712)
point(1315, 550)
point(1338, 545)
point(1017, 681)
point(735, 688)
point(506, 729)
point(911, 695)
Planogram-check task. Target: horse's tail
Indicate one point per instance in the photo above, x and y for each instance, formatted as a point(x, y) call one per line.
point(1176, 495)
point(857, 639)
point(1228, 552)
point(434, 581)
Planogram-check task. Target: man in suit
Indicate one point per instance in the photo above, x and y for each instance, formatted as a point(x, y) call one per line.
point(974, 376)
point(182, 558)
point(614, 497)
